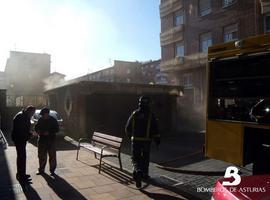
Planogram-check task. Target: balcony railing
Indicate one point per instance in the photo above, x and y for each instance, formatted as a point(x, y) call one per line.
point(171, 64)
point(170, 6)
point(172, 35)
point(183, 63)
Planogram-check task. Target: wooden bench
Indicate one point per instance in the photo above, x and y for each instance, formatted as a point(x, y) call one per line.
point(103, 145)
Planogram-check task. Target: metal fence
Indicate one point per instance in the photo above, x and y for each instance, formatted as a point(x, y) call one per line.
point(25, 100)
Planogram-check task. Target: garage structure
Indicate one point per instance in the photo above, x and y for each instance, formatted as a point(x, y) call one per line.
point(101, 106)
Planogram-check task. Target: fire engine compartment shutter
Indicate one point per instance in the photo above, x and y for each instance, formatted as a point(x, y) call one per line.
point(247, 76)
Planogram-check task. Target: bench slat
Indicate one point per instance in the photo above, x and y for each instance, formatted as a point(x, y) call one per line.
point(98, 149)
point(106, 142)
point(111, 146)
point(108, 137)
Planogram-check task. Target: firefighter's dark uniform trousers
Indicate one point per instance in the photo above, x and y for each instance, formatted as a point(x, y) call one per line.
point(140, 156)
point(141, 128)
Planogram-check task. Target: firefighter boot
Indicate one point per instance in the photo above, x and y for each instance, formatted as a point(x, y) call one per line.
point(138, 179)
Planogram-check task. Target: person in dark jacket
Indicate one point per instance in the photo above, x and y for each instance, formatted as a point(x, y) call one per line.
point(20, 135)
point(46, 127)
point(142, 128)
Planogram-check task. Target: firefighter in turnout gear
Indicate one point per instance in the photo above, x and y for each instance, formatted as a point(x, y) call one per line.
point(142, 128)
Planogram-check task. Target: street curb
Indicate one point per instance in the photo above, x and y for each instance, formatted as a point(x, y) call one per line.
point(193, 172)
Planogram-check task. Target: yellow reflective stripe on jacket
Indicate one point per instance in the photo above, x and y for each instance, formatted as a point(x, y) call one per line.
point(147, 138)
point(140, 139)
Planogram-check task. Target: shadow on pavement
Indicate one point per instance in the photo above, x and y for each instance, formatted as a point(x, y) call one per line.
point(29, 192)
point(158, 196)
point(114, 173)
point(156, 182)
point(6, 187)
point(62, 188)
point(125, 177)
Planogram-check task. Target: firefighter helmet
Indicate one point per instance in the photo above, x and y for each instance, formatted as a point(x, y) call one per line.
point(144, 101)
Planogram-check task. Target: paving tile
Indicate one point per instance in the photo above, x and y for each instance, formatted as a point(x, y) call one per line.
point(106, 196)
point(88, 192)
point(75, 179)
point(84, 184)
point(137, 197)
point(122, 193)
point(102, 189)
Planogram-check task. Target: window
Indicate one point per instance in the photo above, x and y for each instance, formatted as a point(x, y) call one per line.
point(226, 3)
point(267, 23)
point(205, 42)
point(178, 18)
point(204, 7)
point(179, 50)
point(187, 80)
point(230, 33)
point(128, 71)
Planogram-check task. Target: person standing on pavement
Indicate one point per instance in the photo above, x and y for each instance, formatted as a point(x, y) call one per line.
point(46, 127)
point(21, 133)
point(142, 128)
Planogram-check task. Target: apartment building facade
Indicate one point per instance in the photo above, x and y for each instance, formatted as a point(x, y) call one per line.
point(25, 74)
point(188, 27)
point(151, 73)
point(121, 72)
point(147, 72)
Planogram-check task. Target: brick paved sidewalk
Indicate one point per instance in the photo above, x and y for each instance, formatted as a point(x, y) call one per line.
point(185, 182)
point(73, 180)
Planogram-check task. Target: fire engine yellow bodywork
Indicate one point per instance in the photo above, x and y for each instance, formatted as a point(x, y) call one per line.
point(224, 140)
point(250, 45)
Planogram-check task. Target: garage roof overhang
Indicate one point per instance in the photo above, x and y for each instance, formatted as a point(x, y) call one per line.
point(88, 87)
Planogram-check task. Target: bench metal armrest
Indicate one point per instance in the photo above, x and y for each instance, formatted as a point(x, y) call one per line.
point(82, 139)
point(104, 147)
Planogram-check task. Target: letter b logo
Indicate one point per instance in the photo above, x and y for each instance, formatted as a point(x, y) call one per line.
point(232, 172)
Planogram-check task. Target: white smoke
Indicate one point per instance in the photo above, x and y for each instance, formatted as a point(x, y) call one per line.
point(54, 81)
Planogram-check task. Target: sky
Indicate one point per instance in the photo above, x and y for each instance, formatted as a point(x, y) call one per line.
point(82, 36)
